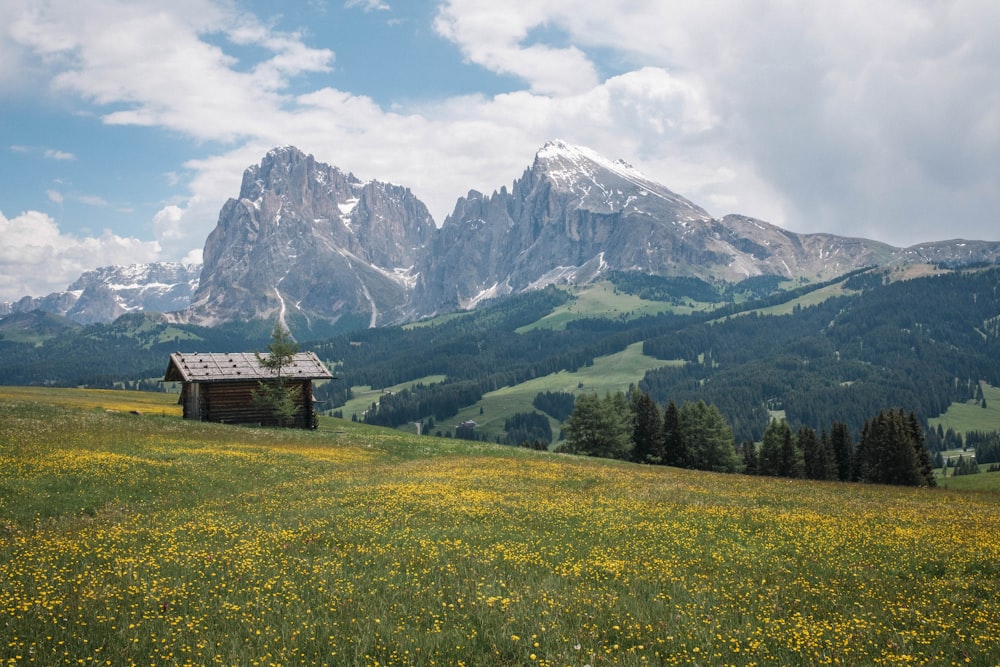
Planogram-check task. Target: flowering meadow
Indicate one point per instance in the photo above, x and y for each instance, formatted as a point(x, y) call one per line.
point(147, 540)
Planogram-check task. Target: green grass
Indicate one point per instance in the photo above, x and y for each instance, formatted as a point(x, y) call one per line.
point(435, 321)
point(971, 416)
point(601, 300)
point(364, 395)
point(616, 372)
point(97, 399)
point(148, 540)
point(984, 481)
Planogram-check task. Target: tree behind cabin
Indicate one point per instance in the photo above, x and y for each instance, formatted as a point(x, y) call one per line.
point(275, 396)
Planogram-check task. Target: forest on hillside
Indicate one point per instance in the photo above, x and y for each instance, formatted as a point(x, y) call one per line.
point(917, 344)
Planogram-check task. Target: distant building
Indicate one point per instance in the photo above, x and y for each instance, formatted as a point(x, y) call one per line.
point(218, 387)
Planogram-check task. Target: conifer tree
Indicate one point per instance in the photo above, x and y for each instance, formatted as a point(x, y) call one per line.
point(750, 462)
point(843, 450)
point(275, 396)
point(770, 458)
point(863, 463)
point(675, 451)
point(647, 429)
point(892, 451)
point(817, 459)
point(925, 465)
point(599, 427)
point(708, 438)
point(898, 463)
point(791, 461)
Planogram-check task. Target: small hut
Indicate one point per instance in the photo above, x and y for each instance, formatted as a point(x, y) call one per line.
point(219, 387)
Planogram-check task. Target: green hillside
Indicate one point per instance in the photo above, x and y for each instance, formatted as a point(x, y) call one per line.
point(917, 338)
point(144, 539)
point(614, 372)
point(970, 415)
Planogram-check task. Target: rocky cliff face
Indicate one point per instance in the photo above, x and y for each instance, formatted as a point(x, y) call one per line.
point(305, 240)
point(104, 294)
point(575, 215)
point(307, 243)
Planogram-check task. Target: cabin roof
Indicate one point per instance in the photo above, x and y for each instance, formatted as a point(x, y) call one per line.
point(239, 366)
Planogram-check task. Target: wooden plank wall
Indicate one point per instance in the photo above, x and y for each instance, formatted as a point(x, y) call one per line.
point(232, 403)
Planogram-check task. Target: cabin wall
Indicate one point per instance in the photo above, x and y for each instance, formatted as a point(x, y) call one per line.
point(190, 400)
point(232, 403)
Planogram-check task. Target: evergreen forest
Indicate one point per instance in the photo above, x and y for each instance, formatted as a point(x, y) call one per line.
point(814, 355)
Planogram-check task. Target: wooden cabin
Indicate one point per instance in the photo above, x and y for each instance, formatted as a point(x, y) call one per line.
point(218, 387)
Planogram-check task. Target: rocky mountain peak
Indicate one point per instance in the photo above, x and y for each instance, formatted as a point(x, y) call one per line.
point(305, 240)
point(317, 247)
point(602, 184)
point(105, 293)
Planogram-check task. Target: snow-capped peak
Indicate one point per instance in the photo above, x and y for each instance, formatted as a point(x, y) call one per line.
point(570, 156)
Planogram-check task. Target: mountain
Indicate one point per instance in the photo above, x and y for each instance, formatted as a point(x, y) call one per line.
point(321, 250)
point(106, 293)
point(574, 215)
point(305, 241)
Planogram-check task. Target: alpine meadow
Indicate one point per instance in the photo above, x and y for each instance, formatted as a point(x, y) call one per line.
point(144, 539)
point(582, 422)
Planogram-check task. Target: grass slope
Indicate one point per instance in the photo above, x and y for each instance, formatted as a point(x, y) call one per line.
point(615, 372)
point(131, 540)
point(602, 300)
point(971, 416)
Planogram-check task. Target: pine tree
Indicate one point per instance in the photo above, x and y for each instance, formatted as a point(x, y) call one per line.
point(925, 466)
point(843, 450)
point(675, 451)
point(791, 463)
point(708, 438)
point(769, 460)
point(898, 463)
point(750, 463)
point(892, 451)
point(275, 396)
point(818, 464)
point(647, 429)
point(599, 427)
point(780, 452)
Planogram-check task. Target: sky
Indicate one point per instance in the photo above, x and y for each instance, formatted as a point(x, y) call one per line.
point(125, 125)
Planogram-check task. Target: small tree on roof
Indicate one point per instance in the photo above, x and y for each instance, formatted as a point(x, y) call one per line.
point(275, 396)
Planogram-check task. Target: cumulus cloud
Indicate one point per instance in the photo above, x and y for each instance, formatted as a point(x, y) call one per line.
point(496, 36)
point(160, 66)
point(37, 258)
point(869, 119)
point(877, 120)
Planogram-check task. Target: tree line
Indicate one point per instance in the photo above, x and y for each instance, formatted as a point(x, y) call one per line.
point(891, 448)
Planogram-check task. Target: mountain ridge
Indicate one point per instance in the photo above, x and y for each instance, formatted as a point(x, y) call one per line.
point(307, 243)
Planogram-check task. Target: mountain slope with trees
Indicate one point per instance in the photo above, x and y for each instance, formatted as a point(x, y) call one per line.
point(918, 344)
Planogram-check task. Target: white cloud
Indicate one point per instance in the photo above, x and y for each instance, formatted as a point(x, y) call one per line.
point(494, 36)
point(882, 120)
point(368, 5)
point(54, 154)
point(54, 196)
point(37, 258)
point(156, 63)
point(92, 200)
point(849, 117)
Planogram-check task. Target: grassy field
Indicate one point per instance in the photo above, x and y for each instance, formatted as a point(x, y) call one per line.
point(971, 416)
point(364, 395)
point(615, 372)
point(147, 540)
point(601, 300)
point(97, 399)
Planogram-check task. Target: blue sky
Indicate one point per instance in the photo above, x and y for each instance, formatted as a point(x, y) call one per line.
point(126, 124)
